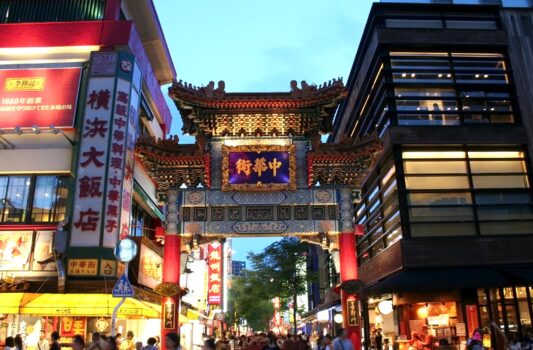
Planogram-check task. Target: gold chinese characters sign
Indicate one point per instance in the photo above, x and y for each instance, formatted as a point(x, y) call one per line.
point(258, 168)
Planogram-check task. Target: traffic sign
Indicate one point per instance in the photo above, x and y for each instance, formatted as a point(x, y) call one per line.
point(123, 288)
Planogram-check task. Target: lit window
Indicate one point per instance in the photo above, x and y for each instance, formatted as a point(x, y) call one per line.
point(433, 155)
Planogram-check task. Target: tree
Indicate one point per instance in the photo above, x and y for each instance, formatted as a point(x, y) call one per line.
point(280, 270)
point(250, 302)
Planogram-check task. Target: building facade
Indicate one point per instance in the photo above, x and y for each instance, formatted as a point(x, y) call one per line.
point(80, 83)
point(448, 208)
point(238, 267)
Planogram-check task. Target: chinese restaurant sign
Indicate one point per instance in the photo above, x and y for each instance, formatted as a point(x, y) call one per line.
point(150, 267)
point(38, 97)
point(214, 285)
point(258, 168)
point(82, 267)
point(71, 326)
point(102, 168)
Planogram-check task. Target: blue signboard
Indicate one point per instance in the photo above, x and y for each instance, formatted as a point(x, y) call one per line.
point(258, 168)
point(123, 287)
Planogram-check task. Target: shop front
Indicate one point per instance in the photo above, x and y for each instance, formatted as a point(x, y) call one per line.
point(435, 319)
point(74, 314)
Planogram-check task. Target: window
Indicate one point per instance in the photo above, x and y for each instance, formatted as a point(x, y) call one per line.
point(379, 213)
point(413, 23)
point(48, 195)
point(446, 89)
point(142, 224)
point(15, 199)
point(469, 24)
point(50, 199)
point(460, 188)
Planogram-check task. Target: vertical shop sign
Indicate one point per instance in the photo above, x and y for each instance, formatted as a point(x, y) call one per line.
point(104, 143)
point(169, 314)
point(129, 161)
point(353, 313)
point(92, 160)
point(472, 320)
point(214, 284)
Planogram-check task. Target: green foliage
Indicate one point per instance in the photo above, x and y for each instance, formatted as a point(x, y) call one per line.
point(278, 271)
point(250, 302)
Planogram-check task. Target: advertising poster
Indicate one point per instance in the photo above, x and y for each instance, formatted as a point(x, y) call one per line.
point(40, 97)
point(15, 250)
point(150, 267)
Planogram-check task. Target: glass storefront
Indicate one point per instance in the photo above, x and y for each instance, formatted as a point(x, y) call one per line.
point(28, 199)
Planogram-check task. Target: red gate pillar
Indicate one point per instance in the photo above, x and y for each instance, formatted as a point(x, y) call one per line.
point(171, 269)
point(348, 267)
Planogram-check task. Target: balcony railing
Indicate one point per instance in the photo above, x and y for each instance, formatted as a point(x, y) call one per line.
point(20, 11)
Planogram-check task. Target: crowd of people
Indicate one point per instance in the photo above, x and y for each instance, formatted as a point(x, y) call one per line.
point(268, 341)
point(98, 342)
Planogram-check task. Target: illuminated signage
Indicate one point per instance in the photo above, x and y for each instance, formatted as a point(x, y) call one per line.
point(258, 168)
point(214, 283)
point(169, 314)
point(104, 182)
point(82, 267)
point(16, 251)
point(38, 97)
point(71, 326)
point(150, 268)
point(353, 312)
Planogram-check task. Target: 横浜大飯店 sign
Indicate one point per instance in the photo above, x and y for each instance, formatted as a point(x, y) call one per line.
point(259, 168)
point(38, 97)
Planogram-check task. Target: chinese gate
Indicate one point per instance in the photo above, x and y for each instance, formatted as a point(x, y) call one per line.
point(258, 168)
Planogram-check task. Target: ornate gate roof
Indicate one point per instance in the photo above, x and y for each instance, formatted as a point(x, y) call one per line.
point(305, 112)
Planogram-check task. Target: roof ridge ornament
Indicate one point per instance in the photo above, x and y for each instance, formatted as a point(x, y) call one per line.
point(208, 91)
point(308, 90)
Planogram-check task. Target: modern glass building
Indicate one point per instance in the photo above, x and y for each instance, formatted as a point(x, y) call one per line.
point(448, 210)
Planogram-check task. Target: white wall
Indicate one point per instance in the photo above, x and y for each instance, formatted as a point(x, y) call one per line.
point(49, 160)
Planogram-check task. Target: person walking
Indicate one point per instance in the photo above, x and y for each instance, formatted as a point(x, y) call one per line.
point(43, 343)
point(77, 343)
point(10, 343)
point(172, 341)
point(96, 342)
point(475, 342)
point(55, 341)
point(128, 343)
point(272, 343)
point(112, 343)
point(150, 344)
point(342, 342)
point(19, 343)
point(527, 344)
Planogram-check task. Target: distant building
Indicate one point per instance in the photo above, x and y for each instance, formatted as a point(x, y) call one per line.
point(238, 267)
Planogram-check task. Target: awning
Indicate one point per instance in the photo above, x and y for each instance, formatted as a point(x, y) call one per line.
point(447, 278)
point(195, 315)
point(90, 305)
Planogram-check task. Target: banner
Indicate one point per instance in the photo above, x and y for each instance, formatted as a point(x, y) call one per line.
point(214, 283)
point(104, 181)
point(38, 97)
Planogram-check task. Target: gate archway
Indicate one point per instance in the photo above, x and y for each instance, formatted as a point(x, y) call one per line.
point(258, 168)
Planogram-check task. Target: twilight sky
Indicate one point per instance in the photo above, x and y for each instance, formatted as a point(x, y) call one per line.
point(260, 46)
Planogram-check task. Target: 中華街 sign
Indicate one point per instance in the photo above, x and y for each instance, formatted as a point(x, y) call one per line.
point(258, 168)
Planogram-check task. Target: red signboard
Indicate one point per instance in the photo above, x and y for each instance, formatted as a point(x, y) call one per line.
point(472, 320)
point(38, 97)
point(214, 294)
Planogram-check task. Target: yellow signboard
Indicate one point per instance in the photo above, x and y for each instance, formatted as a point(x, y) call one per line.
point(83, 267)
point(108, 268)
point(24, 84)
